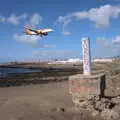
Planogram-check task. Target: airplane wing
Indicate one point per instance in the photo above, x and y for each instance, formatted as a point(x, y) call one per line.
point(29, 32)
point(33, 33)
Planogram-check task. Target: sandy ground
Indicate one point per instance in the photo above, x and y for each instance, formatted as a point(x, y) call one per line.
point(38, 102)
point(50, 101)
point(35, 102)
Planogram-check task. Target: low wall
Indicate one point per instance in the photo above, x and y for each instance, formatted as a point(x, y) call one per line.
point(83, 86)
point(88, 95)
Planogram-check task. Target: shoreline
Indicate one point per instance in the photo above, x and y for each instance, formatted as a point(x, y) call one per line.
point(48, 73)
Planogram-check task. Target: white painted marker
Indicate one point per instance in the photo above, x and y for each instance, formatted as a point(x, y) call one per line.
point(86, 56)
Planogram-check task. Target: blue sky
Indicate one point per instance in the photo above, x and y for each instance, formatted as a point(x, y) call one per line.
point(71, 20)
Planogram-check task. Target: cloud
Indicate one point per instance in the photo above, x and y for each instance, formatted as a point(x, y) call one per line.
point(103, 41)
point(31, 40)
point(67, 33)
point(15, 20)
point(116, 40)
point(2, 19)
point(64, 21)
point(107, 46)
point(100, 16)
point(55, 53)
point(35, 19)
point(50, 46)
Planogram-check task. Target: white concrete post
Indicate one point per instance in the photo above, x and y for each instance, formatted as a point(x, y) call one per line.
point(86, 56)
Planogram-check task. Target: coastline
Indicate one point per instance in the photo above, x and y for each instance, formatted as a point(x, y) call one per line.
point(45, 73)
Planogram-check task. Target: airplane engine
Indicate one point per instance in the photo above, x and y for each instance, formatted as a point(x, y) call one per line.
point(45, 34)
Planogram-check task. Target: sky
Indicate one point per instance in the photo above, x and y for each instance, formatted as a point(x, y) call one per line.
point(70, 19)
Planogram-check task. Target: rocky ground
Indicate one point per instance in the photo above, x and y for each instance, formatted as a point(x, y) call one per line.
point(107, 106)
point(52, 101)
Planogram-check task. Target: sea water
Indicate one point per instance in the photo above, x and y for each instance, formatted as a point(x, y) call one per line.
point(5, 72)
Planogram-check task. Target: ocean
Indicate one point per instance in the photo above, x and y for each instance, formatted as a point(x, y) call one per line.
point(5, 72)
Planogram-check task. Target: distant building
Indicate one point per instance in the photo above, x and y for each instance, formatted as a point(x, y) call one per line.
point(74, 60)
point(103, 60)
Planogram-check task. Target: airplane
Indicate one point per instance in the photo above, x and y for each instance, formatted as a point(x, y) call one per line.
point(41, 32)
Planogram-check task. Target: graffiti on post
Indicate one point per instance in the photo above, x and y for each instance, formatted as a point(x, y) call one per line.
point(86, 56)
point(77, 87)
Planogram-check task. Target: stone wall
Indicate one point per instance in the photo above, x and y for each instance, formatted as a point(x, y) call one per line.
point(88, 95)
point(84, 86)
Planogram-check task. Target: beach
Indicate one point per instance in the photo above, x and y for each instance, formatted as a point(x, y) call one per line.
point(38, 102)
